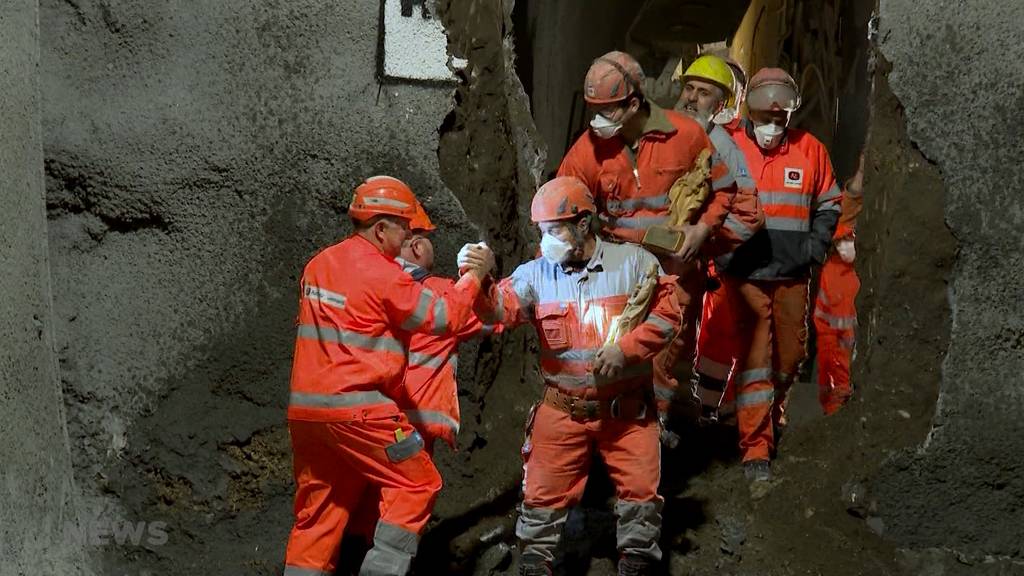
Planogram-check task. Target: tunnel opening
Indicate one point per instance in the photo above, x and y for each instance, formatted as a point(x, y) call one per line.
point(710, 523)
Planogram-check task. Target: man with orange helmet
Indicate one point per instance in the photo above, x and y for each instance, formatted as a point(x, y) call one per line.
point(357, 311)
point(430, 393)
point(631, 157)
point(598, 395)
point(768, 275)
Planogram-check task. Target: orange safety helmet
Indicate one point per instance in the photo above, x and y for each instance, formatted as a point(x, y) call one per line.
point(562, 198)
point(773, 89)
point(420, 222)
point(382, 196)
point(612, 78)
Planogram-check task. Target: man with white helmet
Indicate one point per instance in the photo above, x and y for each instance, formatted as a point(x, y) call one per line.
point(768, 276)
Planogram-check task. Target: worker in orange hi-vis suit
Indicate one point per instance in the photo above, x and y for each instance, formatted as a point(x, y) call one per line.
point(430, 396)
point(712, 93)
point(357, 311)
point(630, 159)
point(835, 312)
point(599, 397)
point(768, 276)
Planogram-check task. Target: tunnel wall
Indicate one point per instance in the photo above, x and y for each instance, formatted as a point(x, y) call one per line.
point(196, 156)
point(38, 499)
point(956, 68)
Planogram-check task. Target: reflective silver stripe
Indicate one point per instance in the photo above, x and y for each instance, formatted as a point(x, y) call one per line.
point(576, 355)
point(299, 571)
point(396, 537)
point(746, 182)
point(755, 375)
point(386, 202)
point(733, 223)
point(343, 400)
point(664, 392)
point(723, 182)
point(454, 361)
point(709, 367)
point(432, 417)
point(758, 398)
point(830, 194)
point(419, 315)
point(636, 222)
point(440, 316)
point(787, 224)
point(837, 322)
point(651, 203)
point(570, 381)
point(350, 339)
point(666, 327)
point(425, 360)
point(499, 305)
point(324, 295)
point(778, 198)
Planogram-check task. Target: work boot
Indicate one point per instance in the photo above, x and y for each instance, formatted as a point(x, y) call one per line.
point(632, 565)
point(757, 470)
point(533, 565)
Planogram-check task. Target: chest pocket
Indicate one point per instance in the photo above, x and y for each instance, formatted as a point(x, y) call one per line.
point(553, 321)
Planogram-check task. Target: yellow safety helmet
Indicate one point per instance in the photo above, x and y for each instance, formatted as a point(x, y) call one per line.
point(710, 68)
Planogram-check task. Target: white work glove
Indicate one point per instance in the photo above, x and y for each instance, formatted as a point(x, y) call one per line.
point(846, 250)
point(462, 260)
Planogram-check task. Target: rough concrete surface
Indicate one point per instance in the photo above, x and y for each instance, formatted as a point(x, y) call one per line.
point(37, 498)
point(960, 80)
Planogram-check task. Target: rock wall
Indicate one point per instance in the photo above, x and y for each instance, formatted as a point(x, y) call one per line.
point(956, 68)
point(38, 503)
point(196, 156)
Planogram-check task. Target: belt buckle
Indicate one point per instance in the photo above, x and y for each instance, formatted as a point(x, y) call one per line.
point(582, 410)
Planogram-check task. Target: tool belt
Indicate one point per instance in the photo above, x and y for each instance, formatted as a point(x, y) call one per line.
point(633, 405)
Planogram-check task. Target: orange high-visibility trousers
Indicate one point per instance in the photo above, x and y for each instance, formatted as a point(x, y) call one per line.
point(773, 335)
point(675, 361)
point(334, 463)
point(716, 348)
point(557, 458)
point(835, 321)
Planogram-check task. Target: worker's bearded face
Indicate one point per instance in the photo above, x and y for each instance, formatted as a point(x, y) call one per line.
point(391, 235)
point(702, 101)
point(419, 250)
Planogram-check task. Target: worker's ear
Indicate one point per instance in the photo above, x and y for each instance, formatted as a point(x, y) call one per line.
point(583, 227)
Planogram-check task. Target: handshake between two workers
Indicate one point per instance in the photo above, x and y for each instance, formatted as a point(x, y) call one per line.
point(478, 259)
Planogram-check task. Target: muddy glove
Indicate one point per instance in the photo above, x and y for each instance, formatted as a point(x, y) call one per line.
point(669, 439)
point(847, 250)
point(609, 362)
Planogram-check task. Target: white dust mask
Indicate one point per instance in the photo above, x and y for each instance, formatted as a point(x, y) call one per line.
point(769, 136)
point(603, 127)
point(554, 250)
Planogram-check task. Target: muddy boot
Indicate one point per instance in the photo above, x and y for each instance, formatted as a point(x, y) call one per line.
point(757, 471)
point(533, 565)
point(631, 565)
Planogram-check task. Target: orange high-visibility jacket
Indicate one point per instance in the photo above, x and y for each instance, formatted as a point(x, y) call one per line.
point(572, 312)
point(431, 392)
point(800, 199)
point(357, 311)
point(631, 187)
